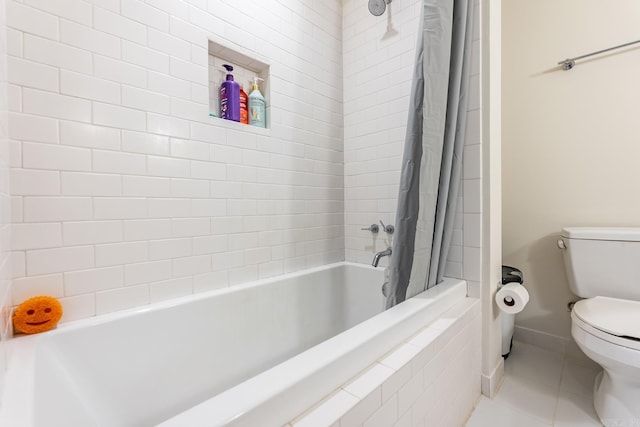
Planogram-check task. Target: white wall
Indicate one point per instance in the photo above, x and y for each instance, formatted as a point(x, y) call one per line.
point(5, 264)
point(379, 55)
point(570, 138)
point(125, 191)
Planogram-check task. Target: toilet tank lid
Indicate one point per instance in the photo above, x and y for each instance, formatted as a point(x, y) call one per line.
point(611, 315)
point(625, 234)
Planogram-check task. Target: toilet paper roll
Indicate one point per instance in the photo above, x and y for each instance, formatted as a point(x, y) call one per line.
point(512, 298)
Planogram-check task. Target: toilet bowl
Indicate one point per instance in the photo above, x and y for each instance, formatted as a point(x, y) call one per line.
point(607, 330)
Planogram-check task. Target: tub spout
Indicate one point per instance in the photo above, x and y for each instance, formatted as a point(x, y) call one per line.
point(376, 257)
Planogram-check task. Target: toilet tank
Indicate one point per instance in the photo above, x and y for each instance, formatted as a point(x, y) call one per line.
point(602, 261)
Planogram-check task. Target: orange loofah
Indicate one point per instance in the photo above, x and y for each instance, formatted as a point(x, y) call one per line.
point(37, 314)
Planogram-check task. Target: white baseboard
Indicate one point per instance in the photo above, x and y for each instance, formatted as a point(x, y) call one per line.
point(491, 383)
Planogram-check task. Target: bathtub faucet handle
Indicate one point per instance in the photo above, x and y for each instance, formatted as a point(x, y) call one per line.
point(372, 228)
point(389, 229)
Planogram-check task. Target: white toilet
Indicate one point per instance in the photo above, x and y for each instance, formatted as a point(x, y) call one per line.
point(603, 266)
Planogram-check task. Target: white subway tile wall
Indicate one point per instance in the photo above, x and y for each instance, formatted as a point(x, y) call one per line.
point(378, 65)
point(125, 191)
point(25, 236)
point(432, 379)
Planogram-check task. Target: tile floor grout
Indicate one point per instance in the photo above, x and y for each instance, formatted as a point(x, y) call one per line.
point(540, 389)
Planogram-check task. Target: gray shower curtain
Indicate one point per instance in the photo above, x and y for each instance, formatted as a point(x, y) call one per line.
point(432, 159)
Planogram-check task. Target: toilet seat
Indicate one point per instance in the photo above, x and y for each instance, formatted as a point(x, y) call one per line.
point(611, 319)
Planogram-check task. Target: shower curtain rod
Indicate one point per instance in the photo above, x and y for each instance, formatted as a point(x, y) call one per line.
point(569, 63)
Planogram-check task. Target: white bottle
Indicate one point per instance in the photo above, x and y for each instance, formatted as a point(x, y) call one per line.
point(257, 106)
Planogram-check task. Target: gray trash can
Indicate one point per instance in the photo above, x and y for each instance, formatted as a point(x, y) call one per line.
point(509, 275)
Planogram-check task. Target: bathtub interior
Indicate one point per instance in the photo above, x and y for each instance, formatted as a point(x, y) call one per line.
point(276, 395)
point(142, 367)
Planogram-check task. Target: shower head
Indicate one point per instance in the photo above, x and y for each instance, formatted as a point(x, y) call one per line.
point(377, 7)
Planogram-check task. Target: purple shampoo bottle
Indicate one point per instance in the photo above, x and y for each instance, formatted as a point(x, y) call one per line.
point(230, 97)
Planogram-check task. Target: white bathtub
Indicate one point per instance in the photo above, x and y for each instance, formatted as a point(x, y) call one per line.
point(252, 355)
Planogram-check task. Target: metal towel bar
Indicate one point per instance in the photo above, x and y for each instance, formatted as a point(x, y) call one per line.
point(569, 63)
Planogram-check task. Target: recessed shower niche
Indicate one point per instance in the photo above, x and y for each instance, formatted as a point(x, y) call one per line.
point(245, 68)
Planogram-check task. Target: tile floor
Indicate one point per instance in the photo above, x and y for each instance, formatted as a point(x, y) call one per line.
point(540, 389)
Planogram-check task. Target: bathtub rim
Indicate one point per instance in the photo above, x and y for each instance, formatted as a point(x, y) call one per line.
point(178, 301)
point(231, 408)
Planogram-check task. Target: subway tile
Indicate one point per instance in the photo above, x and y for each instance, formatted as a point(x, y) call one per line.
point(148, 229)
point(57, 54)
point(27, 287)
point(169, 248)
point(208, 133)
point(119, 26)
point(227, 260)
point(14, 42)
point(190, 227)
point(145, 57)
point(121, 253)
point(174, 288)
point(329, 411)
point(121, 298)
point(119, 208)
point(75, 10)
point(36, 236)
point(143, 186)
point(173, 8)
point(83, 86)
point(210, 281)
point(188, 71)
point(191, 188)
point(190, 266)
point(14, 98)
point(145, 100)
point(55, 157)
point(362, 410)
point(189, 110)
point(16, 209)
point(168, 167)
point(89, 39)
point(119, 117)
point(31, 20)
point(118, 71)
point(18, 260)
point(168, 208)
point(87, 135)
point(165, 125)
point(119, 162)
point(26, 182)
point(169, 44)
point(94, 280)
point(32, 74)
point(146, 143)
point(52, 209)
point(91, 232)
point(189, 149)
point(32, 128)
point(147, 272)
point(168, 85)
point(145, 14)
point(190, 32)
point(78, 307)
point(57, 106)
point(208, 170)
point(210, 244)
point(112, 5)
point(59, 260)
point(208, 207)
